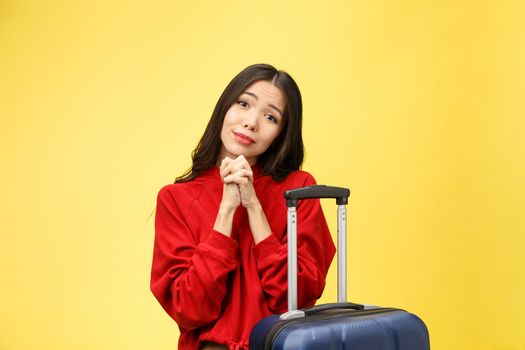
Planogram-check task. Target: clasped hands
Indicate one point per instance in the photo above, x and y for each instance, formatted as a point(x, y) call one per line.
point(237, 176)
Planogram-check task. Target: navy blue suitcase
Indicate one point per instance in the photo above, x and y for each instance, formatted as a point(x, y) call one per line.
point(337, 326)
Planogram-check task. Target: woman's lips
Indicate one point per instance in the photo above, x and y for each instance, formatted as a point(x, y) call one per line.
point(243, 139)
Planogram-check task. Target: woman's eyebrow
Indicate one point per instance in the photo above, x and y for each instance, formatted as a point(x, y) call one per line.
point(269, 105)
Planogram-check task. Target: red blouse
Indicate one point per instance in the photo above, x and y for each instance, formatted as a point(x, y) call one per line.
point(216, 287)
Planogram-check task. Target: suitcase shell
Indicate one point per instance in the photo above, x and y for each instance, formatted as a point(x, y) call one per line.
point(337, 326)
point(375, 329)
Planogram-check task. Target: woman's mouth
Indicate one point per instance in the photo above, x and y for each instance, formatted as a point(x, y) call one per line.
point(243, 139)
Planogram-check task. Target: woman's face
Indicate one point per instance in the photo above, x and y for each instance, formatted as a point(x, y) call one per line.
point(253, 121)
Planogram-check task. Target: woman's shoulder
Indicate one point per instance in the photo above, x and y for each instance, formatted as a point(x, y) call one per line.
point(193, 186)
point(299, 178)
point(178, 187)
point(181, 191)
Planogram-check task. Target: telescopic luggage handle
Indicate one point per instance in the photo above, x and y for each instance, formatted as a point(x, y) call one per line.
point(318, 191)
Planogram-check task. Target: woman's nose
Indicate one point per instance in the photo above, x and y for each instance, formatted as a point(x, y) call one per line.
point(250, 121)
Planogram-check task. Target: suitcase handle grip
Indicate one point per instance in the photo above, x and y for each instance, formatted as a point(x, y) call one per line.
point(317, 191)
point(319, 308)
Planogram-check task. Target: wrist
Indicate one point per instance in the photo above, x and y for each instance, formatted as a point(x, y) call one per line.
point(254, 207)
point(258, 223)
point(224, 220)
point(227, 209)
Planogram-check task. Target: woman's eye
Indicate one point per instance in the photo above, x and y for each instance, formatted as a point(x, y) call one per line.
point(271, 118)
point(243, 103)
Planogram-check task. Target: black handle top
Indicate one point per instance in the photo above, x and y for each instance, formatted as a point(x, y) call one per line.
point(317, 191)
point(332, 306)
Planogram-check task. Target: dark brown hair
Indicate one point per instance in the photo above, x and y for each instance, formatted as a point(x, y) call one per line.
point(286, 152)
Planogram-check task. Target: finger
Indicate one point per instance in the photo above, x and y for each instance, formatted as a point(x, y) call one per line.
point(232, 166)
point(236, 166)
point(225, 168)
point(248, 173)
point(244, 174)
point(241, 163)
point(236, 179)
point(242, 160)
point(225, 161)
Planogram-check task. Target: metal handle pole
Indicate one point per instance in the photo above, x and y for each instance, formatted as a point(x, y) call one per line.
point(341, 253)
point(292, 267)
point(292, 260)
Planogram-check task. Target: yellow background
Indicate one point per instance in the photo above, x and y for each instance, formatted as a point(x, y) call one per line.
point(417, 106)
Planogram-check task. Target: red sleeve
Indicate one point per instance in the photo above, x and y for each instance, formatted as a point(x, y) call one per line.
point(189, 278)
point(314, 255)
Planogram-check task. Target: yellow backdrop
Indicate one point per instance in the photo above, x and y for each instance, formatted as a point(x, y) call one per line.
point(417, 106)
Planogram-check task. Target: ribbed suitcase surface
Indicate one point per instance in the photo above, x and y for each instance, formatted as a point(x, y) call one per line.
point(337, 329)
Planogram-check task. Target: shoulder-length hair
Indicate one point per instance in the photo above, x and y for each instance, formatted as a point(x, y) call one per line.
point(284, 155)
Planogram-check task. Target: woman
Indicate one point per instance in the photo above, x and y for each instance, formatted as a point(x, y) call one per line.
point(219, 260)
